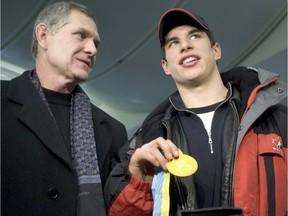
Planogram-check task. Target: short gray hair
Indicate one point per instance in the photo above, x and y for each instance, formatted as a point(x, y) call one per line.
point(55, 16)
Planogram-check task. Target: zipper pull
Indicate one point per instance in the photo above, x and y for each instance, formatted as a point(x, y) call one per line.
point(210, 142)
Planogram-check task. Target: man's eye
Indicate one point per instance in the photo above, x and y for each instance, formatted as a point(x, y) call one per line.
point(81, 35)
point(194, 36)
point(173, 43)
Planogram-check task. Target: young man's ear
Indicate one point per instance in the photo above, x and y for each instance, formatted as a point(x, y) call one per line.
point(164, 64)
point(41, 34)
point(217, 51)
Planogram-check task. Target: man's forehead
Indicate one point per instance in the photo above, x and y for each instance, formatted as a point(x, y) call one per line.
point(81, 20)
point(182, 28)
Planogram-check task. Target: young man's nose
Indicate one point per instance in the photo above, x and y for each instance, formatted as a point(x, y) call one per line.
point(186, 45)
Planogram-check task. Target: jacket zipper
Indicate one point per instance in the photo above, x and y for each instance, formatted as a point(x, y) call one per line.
point(210, 142)
point(209, 134)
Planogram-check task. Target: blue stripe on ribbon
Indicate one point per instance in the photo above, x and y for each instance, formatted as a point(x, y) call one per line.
point(157, 184)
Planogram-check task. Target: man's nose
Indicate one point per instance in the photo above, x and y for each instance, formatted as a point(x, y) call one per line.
point(91, 48)
point(186, 45)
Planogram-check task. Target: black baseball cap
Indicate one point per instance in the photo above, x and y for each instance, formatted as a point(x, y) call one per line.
point(177, 17)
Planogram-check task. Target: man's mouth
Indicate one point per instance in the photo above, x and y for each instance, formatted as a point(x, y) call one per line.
point(87, 62)
point(188, 60)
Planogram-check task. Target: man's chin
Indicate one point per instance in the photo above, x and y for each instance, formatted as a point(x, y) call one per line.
point(81, 77)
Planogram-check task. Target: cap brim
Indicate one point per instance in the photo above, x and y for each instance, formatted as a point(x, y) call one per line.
point(177, 17)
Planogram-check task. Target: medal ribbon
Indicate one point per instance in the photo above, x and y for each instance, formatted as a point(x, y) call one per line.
point(160, 192)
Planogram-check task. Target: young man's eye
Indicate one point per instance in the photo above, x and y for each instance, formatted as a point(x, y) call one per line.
point(173, 43)
point(194, 36)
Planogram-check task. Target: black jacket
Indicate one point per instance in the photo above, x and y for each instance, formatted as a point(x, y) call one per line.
point(37, 175)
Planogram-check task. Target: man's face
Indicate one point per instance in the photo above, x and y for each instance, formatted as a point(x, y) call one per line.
point(190, 57)
point(71, 51)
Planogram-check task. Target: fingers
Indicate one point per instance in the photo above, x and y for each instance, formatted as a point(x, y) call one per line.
point(152, 154)
point(170, 151)
point(162, 149)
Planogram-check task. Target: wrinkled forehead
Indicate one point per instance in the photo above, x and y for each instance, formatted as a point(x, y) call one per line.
point(79, 21)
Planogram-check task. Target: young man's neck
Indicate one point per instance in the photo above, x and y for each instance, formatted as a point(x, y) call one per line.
point(203, 95)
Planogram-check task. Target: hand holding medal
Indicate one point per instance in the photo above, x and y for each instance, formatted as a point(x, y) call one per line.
point(182, 166)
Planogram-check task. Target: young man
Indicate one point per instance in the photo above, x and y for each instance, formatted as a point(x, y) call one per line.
point(231, 123)
point(57, 149)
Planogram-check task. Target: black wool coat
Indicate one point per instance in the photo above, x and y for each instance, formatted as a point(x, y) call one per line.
point(37, 175)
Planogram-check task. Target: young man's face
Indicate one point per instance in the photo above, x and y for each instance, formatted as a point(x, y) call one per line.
point(71, 51)
point(189, 55)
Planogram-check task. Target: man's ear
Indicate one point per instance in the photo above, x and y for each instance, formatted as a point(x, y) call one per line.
point(164, 64)
point(217, 51)
point(41, 34)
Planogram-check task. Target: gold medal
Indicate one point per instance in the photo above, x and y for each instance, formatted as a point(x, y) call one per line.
point(182, 166)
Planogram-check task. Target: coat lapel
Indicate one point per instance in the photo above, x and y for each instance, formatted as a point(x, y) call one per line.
point(35, 115)
point(102, 136)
